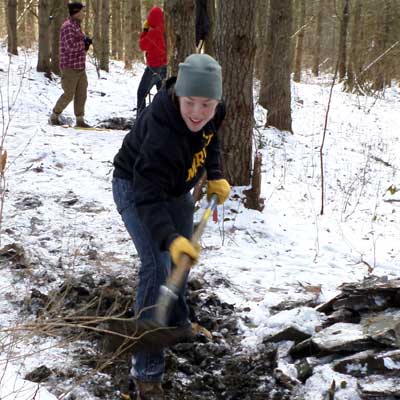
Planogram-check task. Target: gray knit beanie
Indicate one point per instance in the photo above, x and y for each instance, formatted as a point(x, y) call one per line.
point(199, 75)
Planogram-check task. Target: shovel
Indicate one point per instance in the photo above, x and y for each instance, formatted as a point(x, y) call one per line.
point(169, 292)
point(153, 335)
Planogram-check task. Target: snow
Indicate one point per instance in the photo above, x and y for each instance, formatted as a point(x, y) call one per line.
point(289, 252)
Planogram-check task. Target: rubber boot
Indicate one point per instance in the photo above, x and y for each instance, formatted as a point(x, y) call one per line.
point(80, 123)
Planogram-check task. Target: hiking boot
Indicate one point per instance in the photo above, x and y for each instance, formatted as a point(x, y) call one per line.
point(54, 119)
point(149, 391)
point(80, 123)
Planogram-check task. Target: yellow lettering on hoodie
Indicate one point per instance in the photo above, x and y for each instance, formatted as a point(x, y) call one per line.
point(199, 158)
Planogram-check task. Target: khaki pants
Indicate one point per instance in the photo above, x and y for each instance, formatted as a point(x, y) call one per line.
point(74, 83)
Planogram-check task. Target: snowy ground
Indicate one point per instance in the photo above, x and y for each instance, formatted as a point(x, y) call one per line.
point(285, 253)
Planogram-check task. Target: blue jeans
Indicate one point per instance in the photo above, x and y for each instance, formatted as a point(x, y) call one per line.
point(155, 268)
point(151, 76)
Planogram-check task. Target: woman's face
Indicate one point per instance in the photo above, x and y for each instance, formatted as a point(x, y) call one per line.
point(197, 111)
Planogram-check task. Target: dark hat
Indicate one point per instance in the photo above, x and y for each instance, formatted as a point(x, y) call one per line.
point(199, 75)
point(75, 7)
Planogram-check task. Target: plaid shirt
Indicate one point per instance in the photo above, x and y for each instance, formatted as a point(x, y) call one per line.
point(72, 46)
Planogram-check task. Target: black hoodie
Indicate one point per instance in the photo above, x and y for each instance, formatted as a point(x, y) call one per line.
point(164, 159)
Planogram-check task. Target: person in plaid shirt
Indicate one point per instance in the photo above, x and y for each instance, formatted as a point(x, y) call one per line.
point(73, 47)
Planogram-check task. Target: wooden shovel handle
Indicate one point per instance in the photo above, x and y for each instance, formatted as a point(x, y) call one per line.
point(181, 270)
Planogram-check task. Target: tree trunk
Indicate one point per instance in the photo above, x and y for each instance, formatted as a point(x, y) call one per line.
point(180, 17)
point(275, 93)
point(261, 36)
point(343, 41)
point(129, 28)
point(137, 30)
point(317, 40)
point(12, 45)
point(382, 44)
point(21, 23)
point(86, 24)
point(96, 5)
point(59, 10)
point(30, 25)
point(105, 36)
point(354, 65)
point(119, 46)
point(44, 38)
point(236, 41)
point(299, 40)
point(209, 43)
point(114, 24)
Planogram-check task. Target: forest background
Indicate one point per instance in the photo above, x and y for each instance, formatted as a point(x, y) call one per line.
point(271, 41)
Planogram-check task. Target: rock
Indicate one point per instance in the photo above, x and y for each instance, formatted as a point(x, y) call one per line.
point(372, 294)
point(369, 362)
point(379, 387)
point(290, 333)
point(39, 374)
point(383, 327)
point(341, 337)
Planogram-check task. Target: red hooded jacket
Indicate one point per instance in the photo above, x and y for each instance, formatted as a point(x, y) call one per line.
point(152, 41)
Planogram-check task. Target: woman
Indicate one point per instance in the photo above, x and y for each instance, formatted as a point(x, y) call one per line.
point(161, 159)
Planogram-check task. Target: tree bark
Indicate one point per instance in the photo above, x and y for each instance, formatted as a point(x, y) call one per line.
point(343, 41)
point(96, 5)
point(31, 25)
point(317, 40)
point(209, 43)
point(21, 23)
point(180, 17)
point(354, 65)
point(129, 33)
point(137, 30)
point(105, 36)
point(299, 40)
point(236, 41)
point(44, 37)
point(275, 93)
point(261, 36)
point(59, 13)
point(12, 45)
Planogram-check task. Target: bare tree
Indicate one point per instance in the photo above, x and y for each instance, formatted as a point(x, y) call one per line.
point(236, 43)
point(180, 31)
point(275, 93)
point(43, 64)
point(58, 14)
point(354, 63)
point(12, 45)
point(31, 24)
point(299, 40)
point(21, 33)
point(116, 41)
point(105, 36)
point(129, 28)
point(137, 30)
point(343, 40)
point(317, 39)
point(261, 36)
point(96, 6)
point(86, 26)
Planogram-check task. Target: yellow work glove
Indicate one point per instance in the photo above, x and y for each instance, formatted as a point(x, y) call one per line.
point(220, 187)
point(146, 25)
point(181, 246)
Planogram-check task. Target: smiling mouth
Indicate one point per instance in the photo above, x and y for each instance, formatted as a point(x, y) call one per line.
point(195, 121)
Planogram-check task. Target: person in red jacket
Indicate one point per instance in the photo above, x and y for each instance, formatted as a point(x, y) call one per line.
point(152, 42)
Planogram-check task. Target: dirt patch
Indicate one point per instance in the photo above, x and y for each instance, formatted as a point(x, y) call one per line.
point(200, 368)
